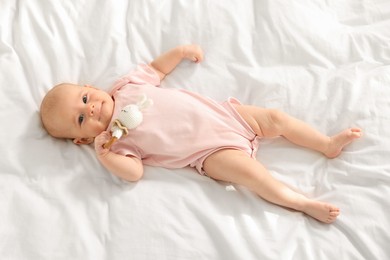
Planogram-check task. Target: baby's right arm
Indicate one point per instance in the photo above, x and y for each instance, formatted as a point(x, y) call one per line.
point(128, 168)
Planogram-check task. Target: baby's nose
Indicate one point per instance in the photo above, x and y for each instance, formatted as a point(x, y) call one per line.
point(90, 109)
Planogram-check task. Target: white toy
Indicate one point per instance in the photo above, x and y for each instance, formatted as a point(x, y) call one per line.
point(129, 118)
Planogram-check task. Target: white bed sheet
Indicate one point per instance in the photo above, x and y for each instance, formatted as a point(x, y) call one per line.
point(325, 62)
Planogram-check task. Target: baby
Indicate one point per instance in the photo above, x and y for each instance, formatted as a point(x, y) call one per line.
point(182, 129)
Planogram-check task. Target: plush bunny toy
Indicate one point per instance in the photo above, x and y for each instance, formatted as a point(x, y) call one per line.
point(129, 118)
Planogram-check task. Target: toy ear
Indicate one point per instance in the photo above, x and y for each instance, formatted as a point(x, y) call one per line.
point(83, 140)
point(144, 102)
point(147, 103)
point(141, 99)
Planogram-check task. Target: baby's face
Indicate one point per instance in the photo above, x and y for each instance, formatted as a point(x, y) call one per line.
point(84, 111)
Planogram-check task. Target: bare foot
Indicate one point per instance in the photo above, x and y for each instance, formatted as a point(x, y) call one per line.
point(337, 142)
point(321, 211)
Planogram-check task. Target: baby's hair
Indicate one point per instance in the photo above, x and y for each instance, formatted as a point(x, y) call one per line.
point(49, 108)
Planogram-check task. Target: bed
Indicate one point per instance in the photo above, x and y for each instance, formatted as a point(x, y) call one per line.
point(324, 62)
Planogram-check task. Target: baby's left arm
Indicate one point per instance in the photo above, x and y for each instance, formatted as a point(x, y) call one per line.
point(128, 168)
point(168, 61)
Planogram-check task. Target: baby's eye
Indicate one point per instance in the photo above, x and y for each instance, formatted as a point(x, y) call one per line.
point(81, 119)
point(85, 99)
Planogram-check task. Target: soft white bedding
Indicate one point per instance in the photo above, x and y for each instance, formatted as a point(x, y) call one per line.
point(325, 62)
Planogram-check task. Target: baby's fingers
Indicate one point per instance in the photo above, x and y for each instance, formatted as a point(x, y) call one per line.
point(193, 52)
point(100, 140)
point(105, 135)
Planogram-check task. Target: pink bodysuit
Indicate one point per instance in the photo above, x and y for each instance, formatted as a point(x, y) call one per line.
point(181, 128)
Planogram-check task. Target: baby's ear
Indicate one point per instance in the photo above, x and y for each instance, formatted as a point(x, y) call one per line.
point(83, 140)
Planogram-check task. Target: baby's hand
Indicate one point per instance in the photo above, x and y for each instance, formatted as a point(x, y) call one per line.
point(193, 52)
point(100, 140)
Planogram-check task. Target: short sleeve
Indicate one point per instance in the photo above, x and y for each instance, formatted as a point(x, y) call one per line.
point(142, 75)
point(122, 148)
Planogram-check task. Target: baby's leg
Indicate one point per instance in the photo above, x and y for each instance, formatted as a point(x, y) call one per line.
point(237, 167)
point(271, 123)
